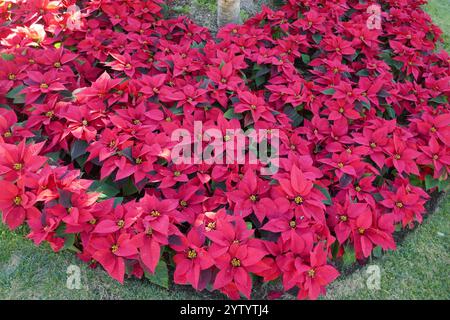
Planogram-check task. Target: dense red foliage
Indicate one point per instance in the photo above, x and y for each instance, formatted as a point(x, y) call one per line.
point(88, 103)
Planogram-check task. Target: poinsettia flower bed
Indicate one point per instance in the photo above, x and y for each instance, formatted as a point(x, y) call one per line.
point(91, 94)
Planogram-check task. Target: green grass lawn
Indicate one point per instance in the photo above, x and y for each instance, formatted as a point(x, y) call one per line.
point(30, 272)
point(439, 11)
point(419, 269)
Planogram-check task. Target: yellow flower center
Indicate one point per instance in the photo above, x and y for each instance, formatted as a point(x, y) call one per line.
point(235, 262)
point(253, 107)
point(292, 224)
point(361, 230)
point(17, 201)
point(183, 203)
point(49, 114)
point(227, 138)
point(253, 197)
point(17, 166)
point(343, 218)
point(298, 199)
point(211, 225)
point(92, 221)
point(397, 157)
point(7, 134)
point(11, 76)
point(121, 223)
point(373, 145)
point(192, 254)
point(340, 165)
point(177, 173)
point(435, 157)
point(155, 213)
point(341, 110)
point(136, 122)
point(311, 273)
point(44, 86)
point(57, 65)
point(84, 122)
point(358, 188)
point(433, 129)
point(399, 205)
point(114, 248)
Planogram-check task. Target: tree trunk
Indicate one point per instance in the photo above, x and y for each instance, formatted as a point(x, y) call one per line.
point(228, 11)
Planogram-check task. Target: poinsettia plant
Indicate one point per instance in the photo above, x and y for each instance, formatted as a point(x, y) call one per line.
point(92, 92)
